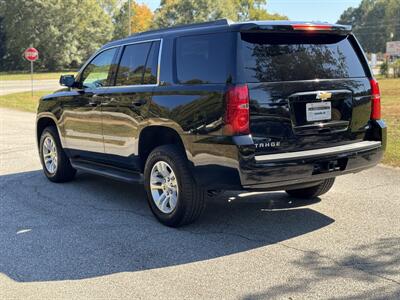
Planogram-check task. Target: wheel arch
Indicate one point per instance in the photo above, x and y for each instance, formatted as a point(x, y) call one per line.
point(153, 136)
point(44, 121)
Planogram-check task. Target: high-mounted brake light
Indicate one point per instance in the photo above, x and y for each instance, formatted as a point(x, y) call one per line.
point(237, 110)
point(311, 27)
point(375, 100)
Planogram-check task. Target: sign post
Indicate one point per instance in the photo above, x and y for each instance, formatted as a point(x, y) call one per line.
point(31, 54)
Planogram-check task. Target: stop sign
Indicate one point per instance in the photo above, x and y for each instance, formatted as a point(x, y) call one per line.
point(31, 54)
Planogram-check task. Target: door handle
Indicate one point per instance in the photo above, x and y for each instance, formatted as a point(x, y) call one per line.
point(111, 101)
point(93, 102)
point(139, 102)
point(94, 99)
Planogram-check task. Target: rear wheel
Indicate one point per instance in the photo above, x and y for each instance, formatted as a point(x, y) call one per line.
point(314, 191)
point(55, 163)
point(173, 195)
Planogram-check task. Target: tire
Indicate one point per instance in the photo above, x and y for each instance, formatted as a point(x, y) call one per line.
point(63, 171)
point(190, 199)
point(314, 191)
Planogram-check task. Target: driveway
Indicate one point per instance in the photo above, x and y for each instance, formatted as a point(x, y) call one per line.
point(94, 238)
point(17, 86)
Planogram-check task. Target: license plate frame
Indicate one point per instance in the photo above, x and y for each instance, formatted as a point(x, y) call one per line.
point(318, 111)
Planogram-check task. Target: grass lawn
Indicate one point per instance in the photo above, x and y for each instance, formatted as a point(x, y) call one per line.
point(390, 90)
point(22, 101)
point(36, 76)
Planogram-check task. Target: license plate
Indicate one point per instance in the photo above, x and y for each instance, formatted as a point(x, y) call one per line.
point(318, 111)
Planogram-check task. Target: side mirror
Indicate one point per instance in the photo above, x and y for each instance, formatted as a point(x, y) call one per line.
point(67, 80)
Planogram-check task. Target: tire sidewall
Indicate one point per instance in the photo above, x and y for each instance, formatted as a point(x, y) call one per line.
point(313, 191)
point(49, 132)
point(177, 213)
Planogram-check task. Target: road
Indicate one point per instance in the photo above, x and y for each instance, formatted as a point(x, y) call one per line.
point(95, 239)
point(16, 86)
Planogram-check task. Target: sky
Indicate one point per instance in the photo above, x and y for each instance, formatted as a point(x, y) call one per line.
point(299, 10)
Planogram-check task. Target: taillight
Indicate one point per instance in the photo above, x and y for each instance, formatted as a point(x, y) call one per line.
point(311, 27)
point(375, 100)
point(237, 110)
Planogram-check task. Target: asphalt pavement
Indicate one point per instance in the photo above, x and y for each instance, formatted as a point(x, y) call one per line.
point(94, 238)
point(17, 86)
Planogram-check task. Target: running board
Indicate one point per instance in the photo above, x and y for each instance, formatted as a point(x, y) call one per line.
point(107, 171)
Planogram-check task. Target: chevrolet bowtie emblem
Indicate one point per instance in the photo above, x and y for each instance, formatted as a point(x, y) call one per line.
point(324, 96)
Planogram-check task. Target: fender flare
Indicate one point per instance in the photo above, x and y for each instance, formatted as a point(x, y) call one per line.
point(51, 116)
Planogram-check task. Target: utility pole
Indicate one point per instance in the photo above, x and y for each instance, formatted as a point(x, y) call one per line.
point(129, 20)
point(388, 59)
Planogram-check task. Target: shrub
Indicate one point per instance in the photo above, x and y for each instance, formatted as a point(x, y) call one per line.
point(384, 69)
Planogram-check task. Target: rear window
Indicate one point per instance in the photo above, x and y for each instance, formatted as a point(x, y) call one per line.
point(203, 58)
point(290, 57)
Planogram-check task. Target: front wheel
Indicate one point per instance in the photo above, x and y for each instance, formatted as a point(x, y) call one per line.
point(55, 163)
point(173, 195)
point(314, 191)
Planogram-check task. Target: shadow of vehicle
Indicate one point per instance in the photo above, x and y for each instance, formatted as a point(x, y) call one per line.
point(93, 227)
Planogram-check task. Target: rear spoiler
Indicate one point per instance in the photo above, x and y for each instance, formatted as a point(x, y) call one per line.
point(297, 27)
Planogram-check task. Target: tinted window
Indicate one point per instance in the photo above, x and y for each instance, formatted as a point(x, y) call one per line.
point(138, 64)
point(285, 57)
point(96, 73)
point(203, 58)
point(150, 74)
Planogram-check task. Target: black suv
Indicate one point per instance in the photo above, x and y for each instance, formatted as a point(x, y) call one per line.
point(196, 109)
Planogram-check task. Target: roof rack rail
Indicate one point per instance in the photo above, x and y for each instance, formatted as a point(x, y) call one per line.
point(219, 22)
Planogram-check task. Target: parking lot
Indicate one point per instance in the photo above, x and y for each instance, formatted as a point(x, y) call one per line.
point(94, 238)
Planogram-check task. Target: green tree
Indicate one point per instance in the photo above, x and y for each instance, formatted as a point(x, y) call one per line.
point(2, 44)
point(374, 22)
point(174, 12)
point(109, 6)
point(64, 32)
point(392, 19)
point(255, 10)
point(141, 19)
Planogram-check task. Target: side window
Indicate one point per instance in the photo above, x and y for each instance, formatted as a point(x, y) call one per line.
point(96, 73)
point(150, 74)
point(138, 64)
point(203, 58)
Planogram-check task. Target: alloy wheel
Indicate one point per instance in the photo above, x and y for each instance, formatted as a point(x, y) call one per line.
point(49, 152)
point(164, 187)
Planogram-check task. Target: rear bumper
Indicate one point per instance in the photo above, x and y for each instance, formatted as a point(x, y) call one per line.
point(299, 169)
point(318, 153)
point(237, 167)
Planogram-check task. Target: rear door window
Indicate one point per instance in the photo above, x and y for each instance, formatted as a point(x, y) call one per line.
point(290, 57)
point(203, 58)
point(138, 64)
